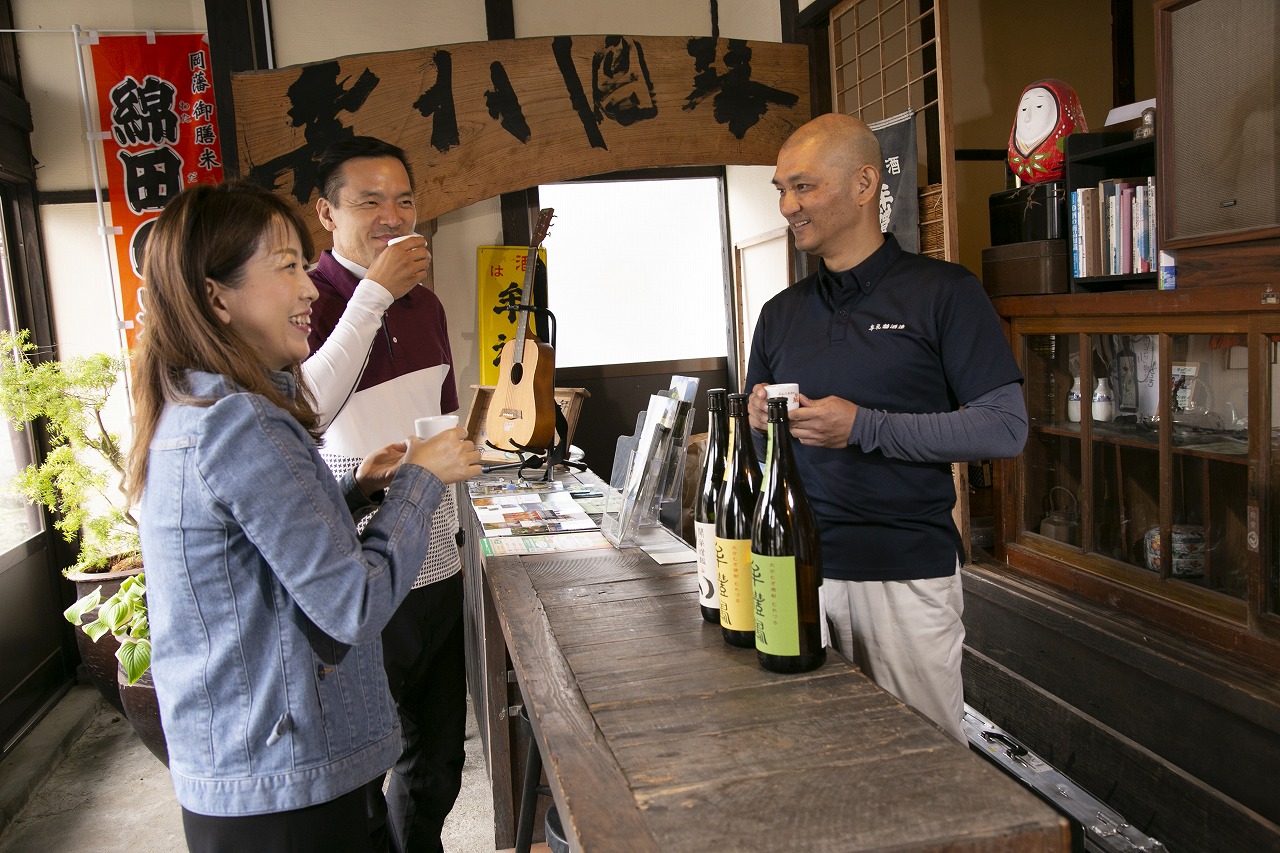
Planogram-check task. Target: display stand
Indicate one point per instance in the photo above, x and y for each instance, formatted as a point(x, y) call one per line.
point(649, 464)
point(557, 452)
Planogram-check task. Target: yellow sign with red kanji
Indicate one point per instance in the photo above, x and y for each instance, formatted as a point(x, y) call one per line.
point(501, 271)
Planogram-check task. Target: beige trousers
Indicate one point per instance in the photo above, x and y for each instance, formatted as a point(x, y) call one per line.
point(907, 637)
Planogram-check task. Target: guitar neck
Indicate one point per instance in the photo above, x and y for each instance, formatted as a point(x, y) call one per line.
point(530, 270)
point(526, 299)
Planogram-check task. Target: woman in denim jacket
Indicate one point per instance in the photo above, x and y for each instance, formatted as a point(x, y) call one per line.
point(265, 606)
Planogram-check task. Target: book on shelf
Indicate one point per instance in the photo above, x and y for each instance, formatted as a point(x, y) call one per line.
point(1124, 229)
point(1152, 242)
point(1144, 226)
point(1090, 237)
point(1104, 230)
point(1141, 232)
point(1076, 270)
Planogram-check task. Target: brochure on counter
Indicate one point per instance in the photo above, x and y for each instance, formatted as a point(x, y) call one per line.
point(550, 544)
point(526, 512)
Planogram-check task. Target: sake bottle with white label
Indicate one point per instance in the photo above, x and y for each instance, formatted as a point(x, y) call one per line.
point(733, 528)
point(704, 507)
point(786, 560)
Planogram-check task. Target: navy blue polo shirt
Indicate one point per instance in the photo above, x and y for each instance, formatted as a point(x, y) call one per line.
point(901, 333)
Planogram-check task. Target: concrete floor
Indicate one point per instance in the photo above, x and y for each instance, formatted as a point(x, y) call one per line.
point(108, 794)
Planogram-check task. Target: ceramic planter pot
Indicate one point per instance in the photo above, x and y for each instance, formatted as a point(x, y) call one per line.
point(1188, 550)
point(100, 658)
point(142, 710)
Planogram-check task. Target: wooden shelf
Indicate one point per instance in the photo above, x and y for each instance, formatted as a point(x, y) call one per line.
point(1223, 445)
point(1131, 281)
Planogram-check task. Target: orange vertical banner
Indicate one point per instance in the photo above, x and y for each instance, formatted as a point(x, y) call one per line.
point(160, 134)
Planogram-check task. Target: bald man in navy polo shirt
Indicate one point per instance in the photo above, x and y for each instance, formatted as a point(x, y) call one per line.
point(903, 369)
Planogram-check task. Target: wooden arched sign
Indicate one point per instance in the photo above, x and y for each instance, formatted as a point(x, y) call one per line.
point(483, 118)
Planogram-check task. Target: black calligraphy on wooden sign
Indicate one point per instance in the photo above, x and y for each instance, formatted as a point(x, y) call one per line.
point(482, 118)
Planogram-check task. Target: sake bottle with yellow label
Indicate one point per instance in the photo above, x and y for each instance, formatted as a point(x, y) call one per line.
point(786, 560)
point(733, 529)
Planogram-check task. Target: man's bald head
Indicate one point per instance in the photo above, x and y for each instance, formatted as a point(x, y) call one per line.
point(842, 142)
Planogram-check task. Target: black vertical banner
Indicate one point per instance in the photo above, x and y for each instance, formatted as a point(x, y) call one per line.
point(899, 203)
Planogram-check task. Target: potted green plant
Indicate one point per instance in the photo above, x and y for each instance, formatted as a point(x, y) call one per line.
point(124, 616)
point(80, 480)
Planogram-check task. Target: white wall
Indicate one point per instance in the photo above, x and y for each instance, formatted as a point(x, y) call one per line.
point(324, 29)
point(84, 291)
point(308, 31)
point(48, 62)
point(78, 262)
point(660, 18)
point(753, 202)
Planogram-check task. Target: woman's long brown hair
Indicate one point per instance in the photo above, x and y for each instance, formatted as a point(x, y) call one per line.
point(207, 232)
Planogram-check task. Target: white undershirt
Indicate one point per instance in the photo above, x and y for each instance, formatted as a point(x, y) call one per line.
point(358, 423)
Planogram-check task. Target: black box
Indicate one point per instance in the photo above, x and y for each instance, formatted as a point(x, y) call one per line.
point(1029, 212)
point(1017, 269)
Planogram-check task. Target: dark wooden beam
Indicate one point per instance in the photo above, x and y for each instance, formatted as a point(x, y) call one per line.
point(519, 209)
point(812, 31)
point(73, 196)
point(811, 28)
point(499, 19)
point(1122, 89)
point(932, 120)
point(238, 41)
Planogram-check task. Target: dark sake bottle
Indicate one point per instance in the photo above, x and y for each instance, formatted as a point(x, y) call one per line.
point(733, 528)
point(786, 560)
point(704, 506)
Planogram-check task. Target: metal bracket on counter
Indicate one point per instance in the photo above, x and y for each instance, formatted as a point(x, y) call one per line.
point(1105, 829)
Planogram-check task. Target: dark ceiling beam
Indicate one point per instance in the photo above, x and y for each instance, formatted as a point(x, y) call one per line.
point(810, 30)
point(1122, 88)
point(238, 41)
point(520, 208)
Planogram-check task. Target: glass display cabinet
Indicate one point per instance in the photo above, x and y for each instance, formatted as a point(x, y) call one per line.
point(1151, 479)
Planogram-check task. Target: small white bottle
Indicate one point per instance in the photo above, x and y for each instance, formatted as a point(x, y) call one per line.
point(1073, 402)
point(1103, 403)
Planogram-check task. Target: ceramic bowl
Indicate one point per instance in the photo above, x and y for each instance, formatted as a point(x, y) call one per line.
point(1188, 550)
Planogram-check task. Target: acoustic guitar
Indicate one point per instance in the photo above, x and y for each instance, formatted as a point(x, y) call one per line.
point(522, 411)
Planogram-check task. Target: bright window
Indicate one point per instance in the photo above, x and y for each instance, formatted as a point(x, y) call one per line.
point(636, 270)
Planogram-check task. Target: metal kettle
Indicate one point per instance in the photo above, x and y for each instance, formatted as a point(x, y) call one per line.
point(1061, 523)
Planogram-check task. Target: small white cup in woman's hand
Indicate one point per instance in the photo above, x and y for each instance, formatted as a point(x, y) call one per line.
point(429, 426)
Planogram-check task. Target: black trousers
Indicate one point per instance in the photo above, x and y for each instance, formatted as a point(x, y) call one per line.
point(339, 826)
point(424, 650)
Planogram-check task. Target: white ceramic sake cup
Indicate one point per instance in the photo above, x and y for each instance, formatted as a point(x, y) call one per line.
point(790, 390)
point(434, 425)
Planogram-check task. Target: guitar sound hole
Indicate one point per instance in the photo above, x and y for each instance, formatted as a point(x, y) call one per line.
point(517, 371)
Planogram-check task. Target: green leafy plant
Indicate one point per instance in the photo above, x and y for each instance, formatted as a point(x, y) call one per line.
point(69, 395)
point(73, 481)
point(124, 616)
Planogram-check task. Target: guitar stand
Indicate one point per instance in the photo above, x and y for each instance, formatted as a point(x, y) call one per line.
point(555, 453)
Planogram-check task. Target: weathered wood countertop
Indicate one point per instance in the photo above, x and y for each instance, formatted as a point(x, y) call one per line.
point(656, 735)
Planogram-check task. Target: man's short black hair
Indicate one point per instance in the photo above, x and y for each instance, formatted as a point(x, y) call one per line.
point(355, 148)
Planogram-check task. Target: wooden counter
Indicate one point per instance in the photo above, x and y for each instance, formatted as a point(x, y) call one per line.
point(656, 735)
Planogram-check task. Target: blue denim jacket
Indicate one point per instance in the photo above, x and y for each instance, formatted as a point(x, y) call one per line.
point(265, 607)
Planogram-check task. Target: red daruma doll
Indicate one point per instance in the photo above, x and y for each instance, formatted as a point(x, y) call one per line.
point(1048, 112)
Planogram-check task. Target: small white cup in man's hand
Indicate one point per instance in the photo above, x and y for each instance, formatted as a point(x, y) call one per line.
point(432, 426)
point(395, 240)
point(790, 390)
